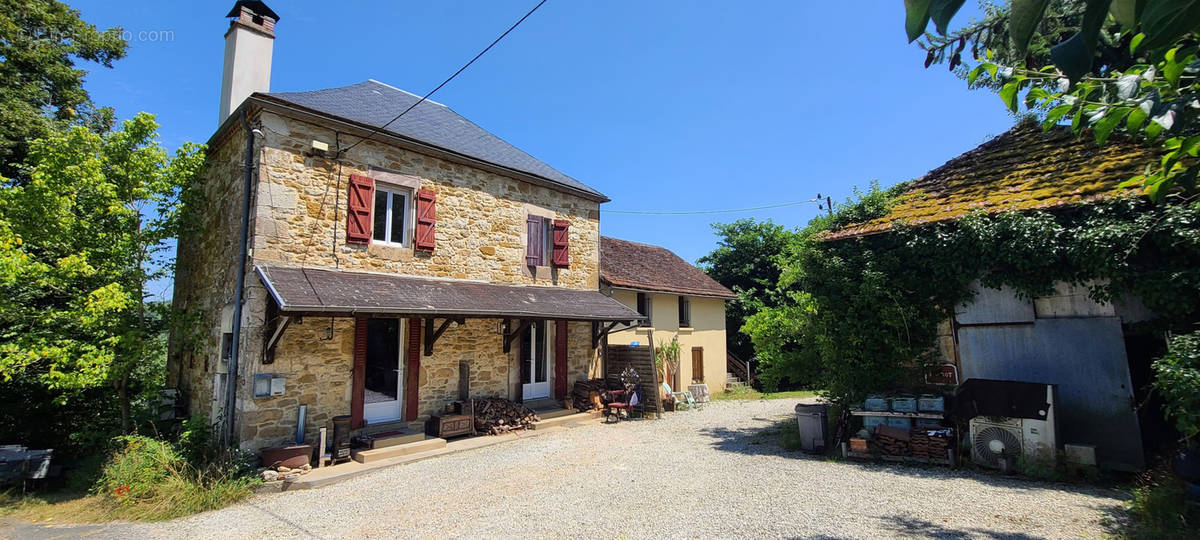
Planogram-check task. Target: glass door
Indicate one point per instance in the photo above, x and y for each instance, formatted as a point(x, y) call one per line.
point(383, 388)
point(536, 382)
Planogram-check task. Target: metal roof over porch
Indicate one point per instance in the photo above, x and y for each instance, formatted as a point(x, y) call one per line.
point(349, 293)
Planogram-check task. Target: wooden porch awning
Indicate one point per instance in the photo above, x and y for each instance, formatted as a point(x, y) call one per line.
point(313, 291)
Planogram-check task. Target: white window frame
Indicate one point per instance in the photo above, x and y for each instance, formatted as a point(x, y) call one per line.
point(393, 192)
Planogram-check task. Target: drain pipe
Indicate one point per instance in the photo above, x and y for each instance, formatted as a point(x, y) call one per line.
point(240, 290)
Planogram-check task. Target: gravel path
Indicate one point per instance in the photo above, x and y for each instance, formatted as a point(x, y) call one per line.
point(693, 474)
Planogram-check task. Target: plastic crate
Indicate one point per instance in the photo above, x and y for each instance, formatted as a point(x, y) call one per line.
point(928, 423)
point(904, 404)
point(869, 422)
point(899, 423)
point(931, 403)
point(875, 403)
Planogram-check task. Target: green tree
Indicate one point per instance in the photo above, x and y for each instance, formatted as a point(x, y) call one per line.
point(40, 87)
point(79, 241)
point(746, 261)
point(1107, 65)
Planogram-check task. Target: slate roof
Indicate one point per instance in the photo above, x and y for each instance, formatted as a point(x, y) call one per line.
point(644, 267)
point(343, 292)
point(1022, 169)
point(373, 104)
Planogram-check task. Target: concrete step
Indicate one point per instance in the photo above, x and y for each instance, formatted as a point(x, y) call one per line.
point(559, 420)
point(735, 385)
point(379, 454)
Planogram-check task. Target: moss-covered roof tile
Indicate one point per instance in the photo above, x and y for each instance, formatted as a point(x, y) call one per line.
point(1022, 169)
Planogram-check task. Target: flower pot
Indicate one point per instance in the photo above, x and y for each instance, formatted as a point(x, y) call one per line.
point(287, 456)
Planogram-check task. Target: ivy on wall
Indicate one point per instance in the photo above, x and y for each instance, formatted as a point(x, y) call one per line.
point(863, 312)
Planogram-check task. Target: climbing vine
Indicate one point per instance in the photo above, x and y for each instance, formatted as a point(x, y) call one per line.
point(864, 312)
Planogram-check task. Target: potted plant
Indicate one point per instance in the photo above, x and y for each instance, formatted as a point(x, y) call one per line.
point(666, 362)
point(1177, 377)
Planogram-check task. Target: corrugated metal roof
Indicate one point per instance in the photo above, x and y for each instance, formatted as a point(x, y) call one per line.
point(373, 103)
point(645, 267)
point(343, 292)
point(1022, 169)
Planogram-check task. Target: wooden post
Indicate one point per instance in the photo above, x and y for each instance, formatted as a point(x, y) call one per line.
point(658, 407)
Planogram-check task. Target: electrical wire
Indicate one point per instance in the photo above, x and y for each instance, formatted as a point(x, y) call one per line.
point(439, 87)
point(700, 212)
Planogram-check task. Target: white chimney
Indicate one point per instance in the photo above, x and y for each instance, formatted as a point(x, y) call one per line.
point(248, 45)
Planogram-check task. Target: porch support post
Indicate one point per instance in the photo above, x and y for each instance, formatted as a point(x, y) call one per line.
point(431, 335)
point(510, 336)
point(599, 331)
point(275, 325)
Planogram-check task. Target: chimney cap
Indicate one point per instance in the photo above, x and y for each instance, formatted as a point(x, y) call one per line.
point(256, 7)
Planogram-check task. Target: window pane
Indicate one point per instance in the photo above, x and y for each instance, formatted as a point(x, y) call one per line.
point(540, 353)
point(380, 229)
point(382, 376)
point(399, 205)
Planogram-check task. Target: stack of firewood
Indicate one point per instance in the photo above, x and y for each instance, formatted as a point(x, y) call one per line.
point(930, 443)
point(892, 441)
point(585, 396)
point(498, 415)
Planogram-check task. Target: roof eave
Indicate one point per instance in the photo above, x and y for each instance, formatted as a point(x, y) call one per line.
point(677, 292)
point(277, 105)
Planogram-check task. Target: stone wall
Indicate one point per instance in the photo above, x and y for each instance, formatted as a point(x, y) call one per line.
point(205, 278)
point(300, 217)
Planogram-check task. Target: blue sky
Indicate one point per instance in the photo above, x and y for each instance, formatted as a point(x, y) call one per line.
point(662, 106)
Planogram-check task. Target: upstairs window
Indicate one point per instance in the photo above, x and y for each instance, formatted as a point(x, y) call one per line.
point(391, 215)
point(685, 312)
point(644, 307)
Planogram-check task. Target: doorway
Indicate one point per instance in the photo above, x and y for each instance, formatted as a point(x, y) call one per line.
point(535, 374)
point(383, 388)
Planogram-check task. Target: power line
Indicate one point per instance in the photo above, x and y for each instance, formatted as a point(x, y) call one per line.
point(439, 87)
point(697, 212)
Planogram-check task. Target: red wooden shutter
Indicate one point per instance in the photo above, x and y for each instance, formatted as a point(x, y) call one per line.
point(426, 220)
point(560, 360)
point(562, 256)
point(535, 244)
point(358, 376)
point(359, 204)
point(413, 371)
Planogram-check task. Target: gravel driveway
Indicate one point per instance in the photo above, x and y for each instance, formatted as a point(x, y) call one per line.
point(693, 474)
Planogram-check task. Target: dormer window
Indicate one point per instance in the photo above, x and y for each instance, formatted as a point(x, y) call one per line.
point(391, 215)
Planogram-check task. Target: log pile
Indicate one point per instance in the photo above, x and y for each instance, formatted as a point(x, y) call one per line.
point(930, 443)
point(585, 396)
point(892, 441)
point(494, 416)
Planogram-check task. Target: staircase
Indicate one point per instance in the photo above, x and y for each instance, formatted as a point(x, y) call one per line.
point(738, 376)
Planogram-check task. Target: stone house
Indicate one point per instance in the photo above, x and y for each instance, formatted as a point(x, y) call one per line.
point(1096, 353)
point(680, 302)
point(375, 268)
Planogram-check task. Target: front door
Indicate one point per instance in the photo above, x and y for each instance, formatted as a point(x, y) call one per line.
point(535, 373)
point(382, 387)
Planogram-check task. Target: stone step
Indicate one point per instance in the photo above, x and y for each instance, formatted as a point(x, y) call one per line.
point(735, 385)
point(554, 413)
point(559, 420)
point(378, 454)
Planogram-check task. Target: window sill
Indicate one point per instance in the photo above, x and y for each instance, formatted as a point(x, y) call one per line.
point(381, 243)
point(644, 329)
point(686, 329)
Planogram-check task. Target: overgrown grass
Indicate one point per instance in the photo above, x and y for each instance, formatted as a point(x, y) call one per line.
point(146, 479)
point(751, 394)
point(1158, 509)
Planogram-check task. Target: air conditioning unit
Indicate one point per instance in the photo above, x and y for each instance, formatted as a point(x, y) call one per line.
point(997, 442)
